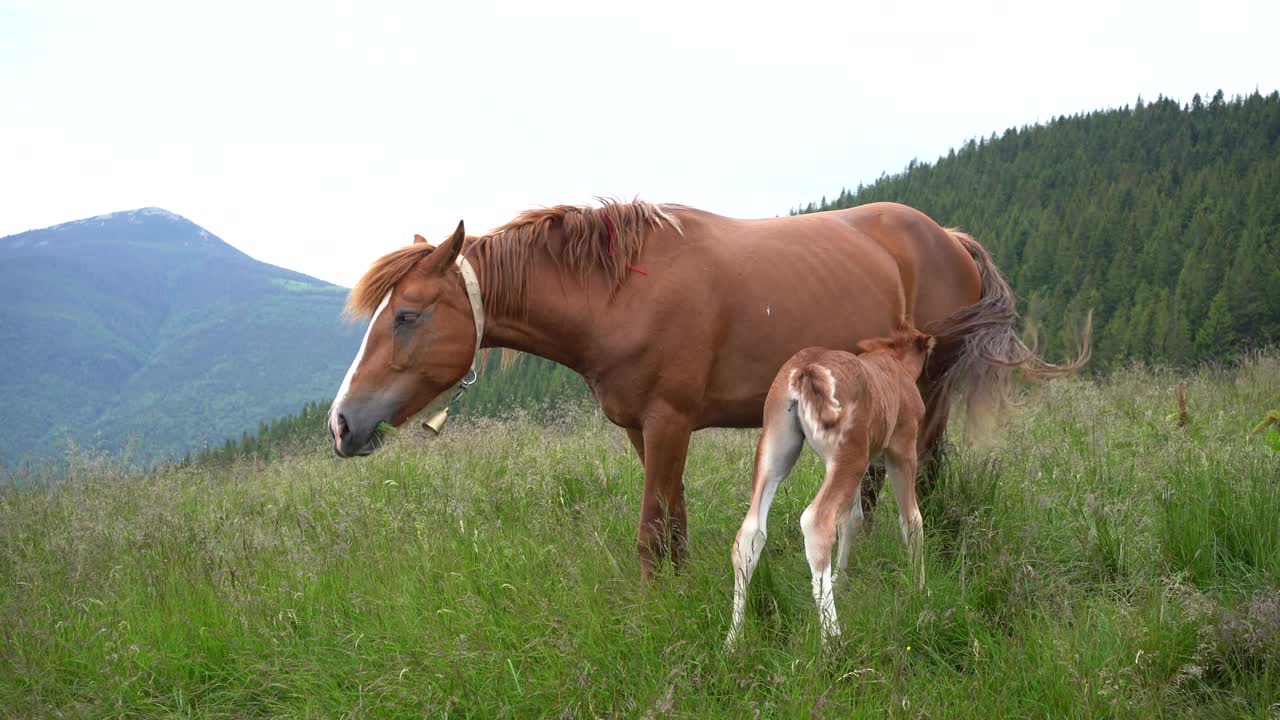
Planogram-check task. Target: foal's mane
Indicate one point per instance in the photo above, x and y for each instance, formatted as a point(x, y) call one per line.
point(903, 339)
point(608, 238)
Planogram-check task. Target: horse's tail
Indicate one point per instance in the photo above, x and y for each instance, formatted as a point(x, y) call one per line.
point(814, 389)
point(985, 349)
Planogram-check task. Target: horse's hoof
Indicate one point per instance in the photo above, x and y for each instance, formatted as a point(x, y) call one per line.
point(730, 643)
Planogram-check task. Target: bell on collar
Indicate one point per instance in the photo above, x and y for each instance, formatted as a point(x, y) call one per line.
point(435, 423)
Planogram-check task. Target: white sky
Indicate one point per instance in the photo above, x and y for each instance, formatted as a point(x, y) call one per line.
point(317, 136)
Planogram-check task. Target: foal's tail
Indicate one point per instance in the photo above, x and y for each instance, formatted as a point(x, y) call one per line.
point(983, 346)
point(813, 388)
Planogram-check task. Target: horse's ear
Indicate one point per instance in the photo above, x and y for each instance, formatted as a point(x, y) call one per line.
point(418, 239)
point(442, 258)
point(865, 346)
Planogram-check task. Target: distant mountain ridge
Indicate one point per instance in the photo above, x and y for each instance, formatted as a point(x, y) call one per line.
point(141, 324)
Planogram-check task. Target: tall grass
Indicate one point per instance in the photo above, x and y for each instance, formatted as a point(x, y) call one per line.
point(1097, 561)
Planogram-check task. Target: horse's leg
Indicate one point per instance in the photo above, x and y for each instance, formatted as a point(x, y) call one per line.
point(930, 445)
point(663, 521)
point(845, 468)
point(637, 441)
point(900, 457)
point(776, 454)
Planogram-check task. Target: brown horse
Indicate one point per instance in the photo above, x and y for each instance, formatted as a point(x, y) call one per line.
point(678, 319)
point(851, 408)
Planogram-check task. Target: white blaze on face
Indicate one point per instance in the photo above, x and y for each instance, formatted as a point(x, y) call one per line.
point(351, 371)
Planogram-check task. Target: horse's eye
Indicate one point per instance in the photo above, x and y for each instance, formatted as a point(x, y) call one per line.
point(404, 317)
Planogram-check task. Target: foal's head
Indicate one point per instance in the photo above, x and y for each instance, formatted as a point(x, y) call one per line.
point(420, 341)
point(910, 346)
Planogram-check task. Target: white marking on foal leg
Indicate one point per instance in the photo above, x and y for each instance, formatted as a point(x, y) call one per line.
point(817, 548)
point(351, 371)
point(779, 446)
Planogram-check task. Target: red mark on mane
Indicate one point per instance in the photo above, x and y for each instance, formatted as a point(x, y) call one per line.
point(608, 224)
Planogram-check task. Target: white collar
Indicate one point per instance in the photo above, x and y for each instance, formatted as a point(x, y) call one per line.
point(472, 284)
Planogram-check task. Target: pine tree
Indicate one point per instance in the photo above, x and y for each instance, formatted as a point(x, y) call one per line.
point(1215, 336)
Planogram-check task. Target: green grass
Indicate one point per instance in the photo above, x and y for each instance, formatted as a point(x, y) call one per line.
point(1095, 562)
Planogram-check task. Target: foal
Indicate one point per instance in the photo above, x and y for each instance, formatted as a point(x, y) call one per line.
point(850, 408)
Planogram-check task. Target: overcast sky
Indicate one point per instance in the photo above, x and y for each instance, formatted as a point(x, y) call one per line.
point(318, 136)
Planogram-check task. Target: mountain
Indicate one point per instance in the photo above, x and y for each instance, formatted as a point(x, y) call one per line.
point(141, 325)
point(1163, 218)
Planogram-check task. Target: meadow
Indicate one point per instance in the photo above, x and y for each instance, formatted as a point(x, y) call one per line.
point(1098, 559)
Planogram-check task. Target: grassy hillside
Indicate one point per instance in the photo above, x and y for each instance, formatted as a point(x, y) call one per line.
point(143, 325)
point(1098, 561)
point(1161, 217)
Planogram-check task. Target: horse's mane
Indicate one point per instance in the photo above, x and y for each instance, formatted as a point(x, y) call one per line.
point(608, 238)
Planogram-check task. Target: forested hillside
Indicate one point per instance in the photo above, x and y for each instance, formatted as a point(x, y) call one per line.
point(1163, 218)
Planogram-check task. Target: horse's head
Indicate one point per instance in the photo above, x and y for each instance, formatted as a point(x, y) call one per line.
point(420, 342)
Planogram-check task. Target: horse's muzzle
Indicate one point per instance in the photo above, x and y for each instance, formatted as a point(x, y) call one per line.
point(353, 438)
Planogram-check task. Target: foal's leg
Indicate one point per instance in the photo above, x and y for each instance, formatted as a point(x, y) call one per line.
point(900, 457)
point(848, 532)
point(833, 504)
point(776, 453)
